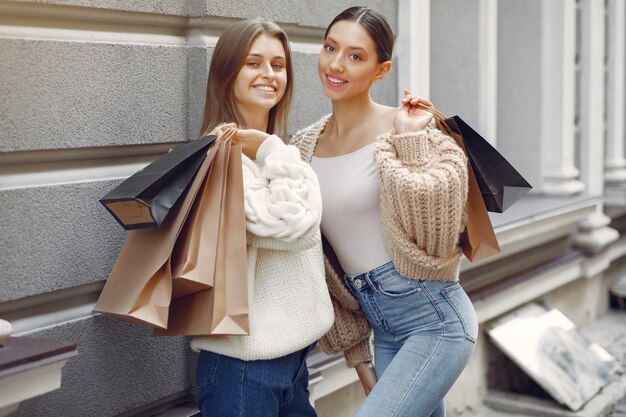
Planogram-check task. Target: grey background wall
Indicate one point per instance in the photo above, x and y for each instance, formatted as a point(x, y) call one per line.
point(90, 91)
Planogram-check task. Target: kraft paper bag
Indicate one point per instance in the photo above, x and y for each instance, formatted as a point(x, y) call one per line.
point(223, 308)
point(139, 287)
point(194, 256)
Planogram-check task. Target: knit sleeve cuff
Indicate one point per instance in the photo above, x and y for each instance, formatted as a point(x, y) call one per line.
point(358, 354)
point(411, 146)
point(269, 145)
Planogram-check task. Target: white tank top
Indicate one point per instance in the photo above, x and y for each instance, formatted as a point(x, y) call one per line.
point(351, 209)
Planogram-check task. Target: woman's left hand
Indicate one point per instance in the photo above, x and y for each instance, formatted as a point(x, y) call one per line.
point(250, 141)
point(367, 375)
point(411, 117)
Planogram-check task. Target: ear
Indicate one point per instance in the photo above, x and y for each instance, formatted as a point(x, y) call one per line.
point(383, 69)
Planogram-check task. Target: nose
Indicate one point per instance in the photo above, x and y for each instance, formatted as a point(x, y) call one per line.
point(335, 64)
point(268, 72)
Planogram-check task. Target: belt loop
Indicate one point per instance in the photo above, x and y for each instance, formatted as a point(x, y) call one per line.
point(346, 280)
point(369, 281)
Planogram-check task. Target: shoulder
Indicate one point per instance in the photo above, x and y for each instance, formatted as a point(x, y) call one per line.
point(386, 115)
point(306, 139)
point(309, 133)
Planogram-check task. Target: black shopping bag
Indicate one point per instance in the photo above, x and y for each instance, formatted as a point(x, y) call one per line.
point(145, 199)
point(500, 184)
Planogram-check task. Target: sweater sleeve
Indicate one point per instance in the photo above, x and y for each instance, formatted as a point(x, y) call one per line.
point(423, 177)
point(349, 334)
point(282, 198)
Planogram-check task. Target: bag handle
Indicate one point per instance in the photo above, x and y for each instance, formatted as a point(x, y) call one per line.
point(227, 135)
point(440, 118)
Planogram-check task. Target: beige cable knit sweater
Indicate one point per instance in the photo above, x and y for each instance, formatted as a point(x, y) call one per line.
point(423, 180)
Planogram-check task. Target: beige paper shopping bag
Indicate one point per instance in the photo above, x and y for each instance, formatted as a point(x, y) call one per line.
point(139, 287)
point(222, 309)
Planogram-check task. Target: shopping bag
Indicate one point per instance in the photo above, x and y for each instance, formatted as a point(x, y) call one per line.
point(223, 308)
point(139, 287)
point(500, 184)
point(195, 252)
point(144, 199)
point(478, 241)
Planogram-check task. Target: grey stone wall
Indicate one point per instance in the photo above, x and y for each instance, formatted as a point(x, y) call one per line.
point(89, 91)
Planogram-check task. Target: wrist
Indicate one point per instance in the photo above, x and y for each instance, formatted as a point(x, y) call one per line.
point(411, 146)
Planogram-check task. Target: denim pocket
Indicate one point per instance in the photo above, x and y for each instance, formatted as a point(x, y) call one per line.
point(206, 368)
point(462, 306)
point(396, 286)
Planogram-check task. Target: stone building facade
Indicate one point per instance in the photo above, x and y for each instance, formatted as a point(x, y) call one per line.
point(92, 90)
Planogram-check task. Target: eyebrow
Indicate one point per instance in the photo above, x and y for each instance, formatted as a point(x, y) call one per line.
point(351, 47)
point(262, 56)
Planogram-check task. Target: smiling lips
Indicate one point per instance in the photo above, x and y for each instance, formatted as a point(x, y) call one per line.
point(335, 82)
point(265, 88)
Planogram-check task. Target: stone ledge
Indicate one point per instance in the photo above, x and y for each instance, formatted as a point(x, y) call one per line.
point(30, 367)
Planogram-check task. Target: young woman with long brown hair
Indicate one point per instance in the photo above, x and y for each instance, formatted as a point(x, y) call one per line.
point(394, 191)
point(264, 374)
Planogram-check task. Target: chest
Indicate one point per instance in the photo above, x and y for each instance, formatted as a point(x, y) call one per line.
point(349, 182)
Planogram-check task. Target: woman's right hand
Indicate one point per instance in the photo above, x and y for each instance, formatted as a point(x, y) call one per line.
point(412, 100)
point(367, 375)
point(411, 116)
point(250, 141)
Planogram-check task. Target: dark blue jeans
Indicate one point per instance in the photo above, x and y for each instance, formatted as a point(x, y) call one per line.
point(229, 387)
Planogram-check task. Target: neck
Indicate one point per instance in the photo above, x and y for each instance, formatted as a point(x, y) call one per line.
point(351, 112)
point(255, 118)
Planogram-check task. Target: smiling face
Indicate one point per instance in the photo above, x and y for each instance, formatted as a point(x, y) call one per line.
point(348, 64)
point(262, 80)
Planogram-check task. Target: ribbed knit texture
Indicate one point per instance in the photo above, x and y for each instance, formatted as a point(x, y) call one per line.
point(290, 307)
point(423, 180)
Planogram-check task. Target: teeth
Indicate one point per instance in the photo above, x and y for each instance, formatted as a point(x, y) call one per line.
point(264, 88)
point(336, 81)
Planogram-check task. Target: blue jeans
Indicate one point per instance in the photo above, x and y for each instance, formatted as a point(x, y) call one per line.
point(229, 387)
point(424, 334)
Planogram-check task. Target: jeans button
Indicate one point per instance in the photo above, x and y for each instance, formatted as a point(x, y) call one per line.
point(358, 282)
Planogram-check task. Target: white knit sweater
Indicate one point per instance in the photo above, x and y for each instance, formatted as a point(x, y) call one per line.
point(290, 307)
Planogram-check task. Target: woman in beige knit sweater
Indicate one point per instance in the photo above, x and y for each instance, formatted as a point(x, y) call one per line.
point(394, 191)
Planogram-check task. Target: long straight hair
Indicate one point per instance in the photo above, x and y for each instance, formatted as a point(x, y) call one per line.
point(228, 57)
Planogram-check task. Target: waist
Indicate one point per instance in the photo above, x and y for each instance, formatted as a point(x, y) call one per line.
point(380, 273)
point(374, 275)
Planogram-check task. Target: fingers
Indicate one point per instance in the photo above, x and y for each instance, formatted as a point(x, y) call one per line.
point(413, 100)
point(414, 111)
point(225, 128)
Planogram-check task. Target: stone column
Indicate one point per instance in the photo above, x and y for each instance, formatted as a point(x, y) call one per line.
point(559, 174)
point(536, 92)
point(615, 164)
point(594, 233)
